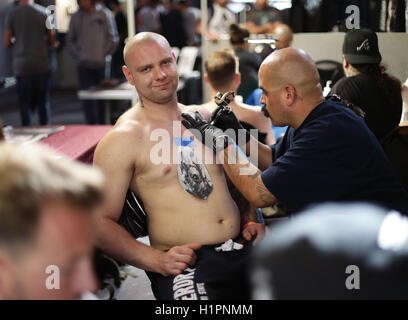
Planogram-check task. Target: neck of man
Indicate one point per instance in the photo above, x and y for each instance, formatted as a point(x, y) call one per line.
point(169, 111)
point(350, 71)
point(239, 45)
point(306, 107)
point(26, 2)
point(88, 10)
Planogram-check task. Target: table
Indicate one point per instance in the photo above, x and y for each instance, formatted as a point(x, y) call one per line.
point(77, 141)
point(123, 91)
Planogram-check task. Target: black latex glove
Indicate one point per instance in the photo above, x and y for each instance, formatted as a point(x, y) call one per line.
point(208, 134)
point(225, 119)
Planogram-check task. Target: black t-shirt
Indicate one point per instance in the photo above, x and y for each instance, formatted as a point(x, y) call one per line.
point(249, 64)
point(332, 156)
point(365, 92)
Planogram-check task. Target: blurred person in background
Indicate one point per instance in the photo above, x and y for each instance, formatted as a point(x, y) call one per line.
point(148, 17)
point(173, 26)
point(91, 39)
point(249, 62)
point(121, 24)
point(46, 224)
point(192, 18)
point(261, 17)
point(366, 83)
point(26, 30)
point(219, 20)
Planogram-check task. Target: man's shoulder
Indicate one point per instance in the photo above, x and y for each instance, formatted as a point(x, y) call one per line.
point(332, 120)
point(76, 15)
point(204, 109)
point(40, 9)
point(127, 129)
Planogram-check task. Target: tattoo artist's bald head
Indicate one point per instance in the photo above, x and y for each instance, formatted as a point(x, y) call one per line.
point(291, 86)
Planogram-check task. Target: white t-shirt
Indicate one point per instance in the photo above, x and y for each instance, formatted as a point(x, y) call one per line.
point(221, 20)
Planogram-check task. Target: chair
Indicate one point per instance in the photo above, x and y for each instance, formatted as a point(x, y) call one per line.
point(329, 70)
point(176, 52)
point(186, 61)
point(189, 90)
point(134, 217)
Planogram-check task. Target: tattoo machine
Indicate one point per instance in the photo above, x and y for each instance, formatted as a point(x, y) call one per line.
point(223, 101)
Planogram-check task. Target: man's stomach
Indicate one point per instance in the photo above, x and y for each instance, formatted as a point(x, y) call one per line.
point(193, 220)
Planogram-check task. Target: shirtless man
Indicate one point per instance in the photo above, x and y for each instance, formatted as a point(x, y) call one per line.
point(179, 221)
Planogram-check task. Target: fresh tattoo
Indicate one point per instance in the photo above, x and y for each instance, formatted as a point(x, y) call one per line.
point(193, 175)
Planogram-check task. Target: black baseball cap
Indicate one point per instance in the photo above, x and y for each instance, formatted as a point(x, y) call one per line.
point(360, 46)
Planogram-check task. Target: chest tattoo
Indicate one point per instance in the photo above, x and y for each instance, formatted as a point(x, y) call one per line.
point(193, 174)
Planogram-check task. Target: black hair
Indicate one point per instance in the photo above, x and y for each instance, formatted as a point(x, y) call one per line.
point(237, 34)
point(390, 85)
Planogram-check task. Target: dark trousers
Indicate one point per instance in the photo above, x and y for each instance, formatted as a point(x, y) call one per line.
point(34, 91)
point(93, 109)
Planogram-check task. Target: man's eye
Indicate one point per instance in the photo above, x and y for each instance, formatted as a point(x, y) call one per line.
point(146, 69)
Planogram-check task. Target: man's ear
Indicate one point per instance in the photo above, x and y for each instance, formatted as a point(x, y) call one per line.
point(345, 62)
point(289, 94)
point(128, 75)
point(237, 80)
point(206, 79)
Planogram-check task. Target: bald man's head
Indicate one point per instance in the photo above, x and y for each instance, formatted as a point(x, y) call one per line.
point(291, 66)
point(284, 33)
point(143, 37)
point(291, 86)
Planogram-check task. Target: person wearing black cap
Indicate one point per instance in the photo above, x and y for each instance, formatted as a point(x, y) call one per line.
point(366, 84)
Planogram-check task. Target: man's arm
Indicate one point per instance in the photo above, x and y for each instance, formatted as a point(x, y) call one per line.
point(51, 38)
point(259, 152)
point(8, 35)
point(246, 177)
point(116, 162)
point(72, 37)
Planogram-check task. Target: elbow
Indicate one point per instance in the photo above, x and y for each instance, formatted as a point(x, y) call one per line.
point(259, 202)
point(256, 201)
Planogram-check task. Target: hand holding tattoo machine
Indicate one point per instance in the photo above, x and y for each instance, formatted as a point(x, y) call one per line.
point(222, 101)
point(224, 118)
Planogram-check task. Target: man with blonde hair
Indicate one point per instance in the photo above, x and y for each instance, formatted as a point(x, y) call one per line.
point(46, 224)
point(222, 75)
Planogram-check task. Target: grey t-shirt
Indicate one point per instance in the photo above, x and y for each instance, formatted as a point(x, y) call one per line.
point(28, 25)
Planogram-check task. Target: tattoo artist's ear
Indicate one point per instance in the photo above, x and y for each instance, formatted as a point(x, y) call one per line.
point(128, 75)
point(290, 94)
